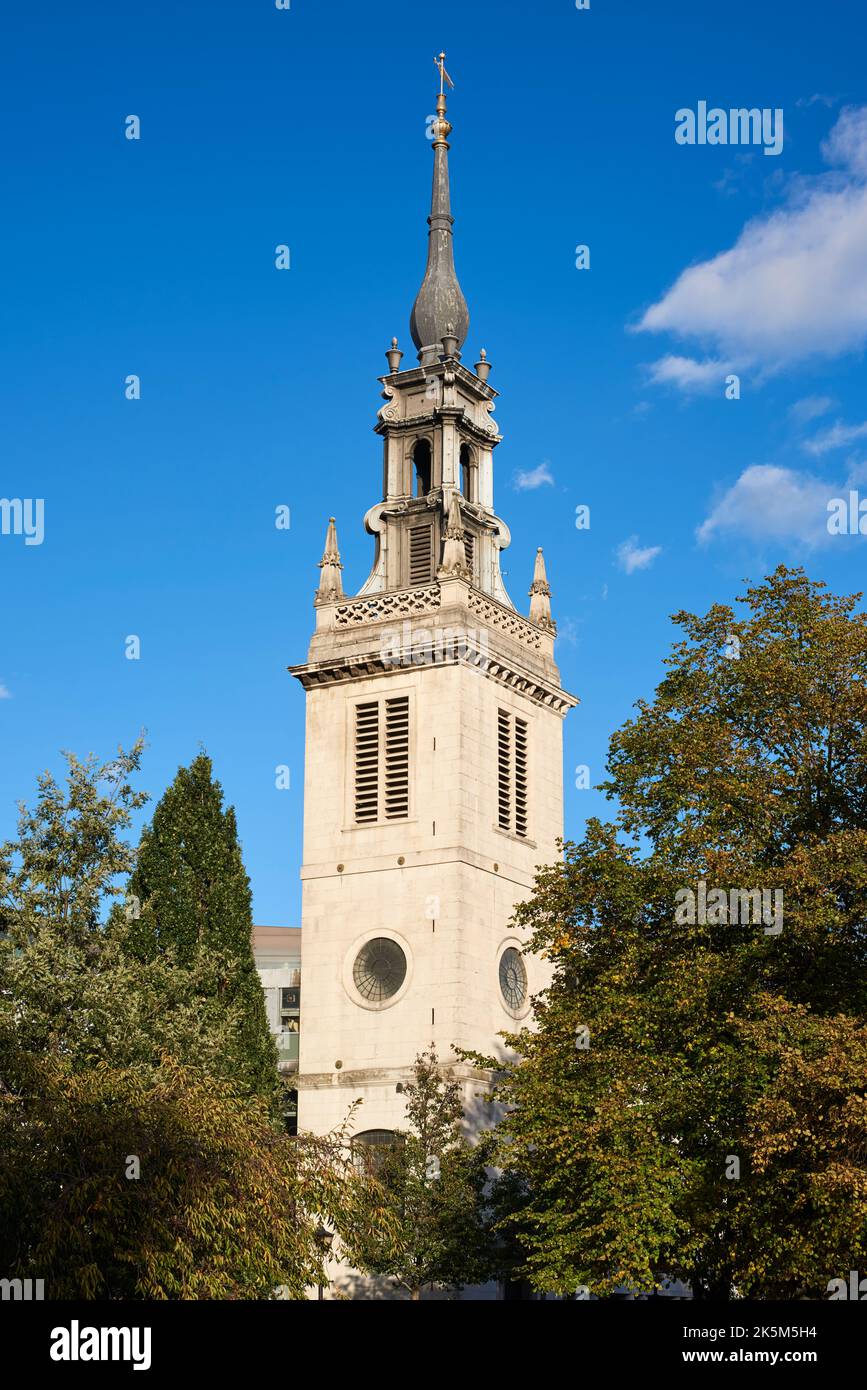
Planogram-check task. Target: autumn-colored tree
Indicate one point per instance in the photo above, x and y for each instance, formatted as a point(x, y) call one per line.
point(117, 1186)
point(806, 1149)
point(693, 1102)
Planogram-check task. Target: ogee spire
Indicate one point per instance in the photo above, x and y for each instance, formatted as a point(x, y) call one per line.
point(440, 309)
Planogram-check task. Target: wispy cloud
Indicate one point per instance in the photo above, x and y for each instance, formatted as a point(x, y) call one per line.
point(768, 502)
point(688, 373)
point(837, 437)
point(5, 692)
point(567, 631)
point(631, 556)
point(729, 181)
point(810, 408)
point(533, 477)
point(793, 286)
point(817, 97)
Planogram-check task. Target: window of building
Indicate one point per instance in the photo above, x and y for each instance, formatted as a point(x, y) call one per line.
point(468, 473)
point(470, 551)
point(371, 1148)
point(511, 773)
point(382, 760)
point(379, 969)
point(420, 554)
point(421, 457)
point(290, 1008)
point(290, 1111)
point(513, 979)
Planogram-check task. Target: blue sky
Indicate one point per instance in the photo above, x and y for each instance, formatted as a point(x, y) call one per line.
point(307, 127)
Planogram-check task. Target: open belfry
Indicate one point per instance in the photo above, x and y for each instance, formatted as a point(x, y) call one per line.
point(434, 755)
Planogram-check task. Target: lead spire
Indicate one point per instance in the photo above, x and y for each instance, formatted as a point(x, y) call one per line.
point(440, 310)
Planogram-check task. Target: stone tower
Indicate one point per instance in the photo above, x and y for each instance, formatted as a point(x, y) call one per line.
point(433, 780)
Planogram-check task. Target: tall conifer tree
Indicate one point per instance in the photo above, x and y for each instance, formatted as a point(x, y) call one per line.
point(190, 894)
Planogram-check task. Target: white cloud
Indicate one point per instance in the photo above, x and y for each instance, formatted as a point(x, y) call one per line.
point(846, 144)
point(687, 373)
point(768, 502)
point(632, 557)
point(810, 408)
point(837, 437)
point(817, 96)
point(5, 693)
point(794, 285)
point(533, 477)
point(856, 474)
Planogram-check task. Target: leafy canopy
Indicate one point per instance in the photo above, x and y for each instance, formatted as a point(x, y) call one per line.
point(669, 1056)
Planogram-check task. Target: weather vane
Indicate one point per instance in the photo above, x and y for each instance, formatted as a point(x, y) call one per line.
point(440, 62)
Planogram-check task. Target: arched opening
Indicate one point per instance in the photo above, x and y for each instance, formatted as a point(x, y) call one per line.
point(371, 1148)
point(468, 473)
point(421, 457)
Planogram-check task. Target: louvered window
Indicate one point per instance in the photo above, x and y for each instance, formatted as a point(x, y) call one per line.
point(512, 789)
point(382, 760)
point(420, 555)
point(520, 776)
point(367, 761)
point(397, 758)
point(470, 549)
point(504, 769)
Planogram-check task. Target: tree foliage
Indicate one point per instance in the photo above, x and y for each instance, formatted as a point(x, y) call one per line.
point(191, 901)
point(118, 1185)
point(109, 1052)
point(436, 1219)
point(73, 980)
point(715, 1046)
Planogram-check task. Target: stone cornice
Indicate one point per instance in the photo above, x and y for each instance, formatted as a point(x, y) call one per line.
point(483, 517)
point(417, 376)
point(411, 424)
point(384, 1076)
point(343, 669)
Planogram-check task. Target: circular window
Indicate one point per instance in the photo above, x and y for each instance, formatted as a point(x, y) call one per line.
point(379, 969)
point(513, 978)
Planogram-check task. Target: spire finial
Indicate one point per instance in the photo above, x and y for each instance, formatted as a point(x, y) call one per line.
point(440, 62)
point(439, 302)
point(540, 595)
point(330, 583)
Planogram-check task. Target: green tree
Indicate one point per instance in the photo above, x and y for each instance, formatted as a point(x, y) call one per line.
point(434, 1227)
point(190, 897)
point(70, 985)
point(106, 1058)
point(674, 1054)
point(69, 857)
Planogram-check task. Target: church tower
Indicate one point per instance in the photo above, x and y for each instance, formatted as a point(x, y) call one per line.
point(434, 758)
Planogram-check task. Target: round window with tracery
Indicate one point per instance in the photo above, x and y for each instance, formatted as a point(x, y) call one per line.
point(379, 969)
point(513, 978)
